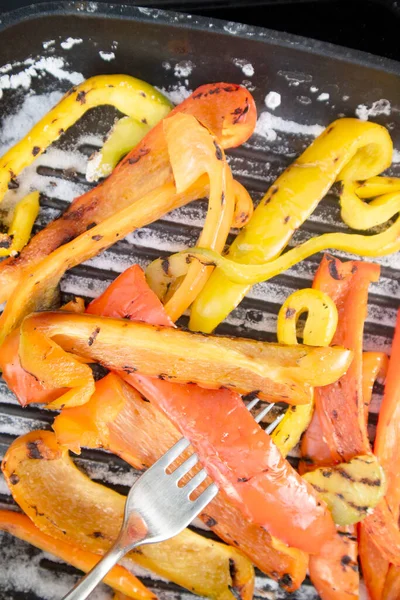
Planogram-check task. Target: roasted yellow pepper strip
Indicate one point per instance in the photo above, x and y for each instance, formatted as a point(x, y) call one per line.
point(319, 329)
point(65, 504)
point(363, 215)
point(348, 149)
point(131, 96)
point(25, 214)
point(164, 276)
point(124, 135)
point(351, 490)
point(379, 244)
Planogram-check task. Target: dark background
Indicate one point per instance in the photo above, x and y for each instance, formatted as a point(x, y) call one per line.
point(370, 25)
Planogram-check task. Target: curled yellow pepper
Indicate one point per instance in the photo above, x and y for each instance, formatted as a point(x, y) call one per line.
point(319, 329)
point(165, 276)
point(124, 135)
point(379, 244)
point(348, 150)
point(363, 215)
point(131, 96)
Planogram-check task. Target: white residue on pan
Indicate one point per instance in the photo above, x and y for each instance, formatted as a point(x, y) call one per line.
point(379, 107)
point(48, 43)
point(19, 122)
point(70, 42)
point(32, 68)
point(23, 572)
point(166, 65)
point(313, 89)
point(272, 100)
point(246, 66)
point(304, 100)
point(107, 56)
point(176, 93)
point(233, 28)
point(183, 68)
point(396, 156)
point(268, 125)
point(323, 97)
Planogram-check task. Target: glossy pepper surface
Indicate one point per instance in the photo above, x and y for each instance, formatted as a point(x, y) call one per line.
point(347, 150)
point(118, 419)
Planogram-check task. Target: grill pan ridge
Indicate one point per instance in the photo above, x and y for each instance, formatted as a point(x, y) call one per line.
point(147, 40)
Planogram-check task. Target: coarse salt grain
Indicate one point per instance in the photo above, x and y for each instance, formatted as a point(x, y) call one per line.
point(313, 89)
point(323, 97)
point(107, 56)
point(183, 68)
point(247, 68)
point(48, 43)
point(70, 42)
point(272, 100)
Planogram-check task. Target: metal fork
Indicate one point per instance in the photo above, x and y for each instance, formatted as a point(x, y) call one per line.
point(157, 509)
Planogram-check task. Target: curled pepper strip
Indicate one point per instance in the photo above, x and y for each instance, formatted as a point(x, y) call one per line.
point(165, 274)
point(358, 214)
point(182, 134)
point(379, 244)
point(119, 578)
point(348, 150)
point(131, 96)
point(228, 110)
point(320, 327)
point(66, 505)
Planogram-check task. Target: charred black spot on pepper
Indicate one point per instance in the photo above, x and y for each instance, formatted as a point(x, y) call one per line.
point(14, 479)
point(81, 97)
point(290, 312)
point(165, 265)
point(274, 190)
point(218, 151)
point(250, 396)
point(129, 370)
point(34, 450)
point(144, 121)
point(242, 479)
point(285, 580)
point(13, 184)
point(223, 198)
point(197, 96)
point(344, 474)
point(90, 226)
point(163, 376)
point(334, 414)
point(188, 260)
point(93, 336)
point(60, 131)
point(371, 482)
point(327, 473)
point(293, 408)
point(143, 94)
point(307, 460)
point(232, 569)
point(286, 219)
point(329, 130)
point(35, 150)
point(97, 238)
point(319, 489)
point(230, 88)
point(336, 159)
point(333, 271)
point(98, 534)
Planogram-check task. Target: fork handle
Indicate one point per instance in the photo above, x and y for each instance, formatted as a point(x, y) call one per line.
point(87, 584)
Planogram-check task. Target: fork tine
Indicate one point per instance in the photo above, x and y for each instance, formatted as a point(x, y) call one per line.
point(184, 467)
point(264, 412)
point(196, 480)
point(205, 497)
point(252, 404)
point(173, 453)
point(274, 424)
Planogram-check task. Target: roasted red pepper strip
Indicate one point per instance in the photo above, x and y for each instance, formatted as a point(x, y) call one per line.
point(228, 110)
point(139, 433)
point(381, 528)
point(340, 406)
point(374, 566)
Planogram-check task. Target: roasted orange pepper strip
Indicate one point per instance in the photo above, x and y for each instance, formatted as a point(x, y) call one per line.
point(228, 110)
point(283, 372)
point(118, 578)
point(65, 504)
point(118, 419)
